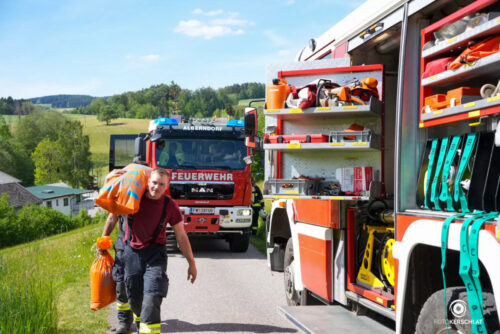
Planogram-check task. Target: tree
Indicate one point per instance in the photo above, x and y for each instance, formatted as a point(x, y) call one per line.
point(33, 128)
point(106, 113)
point(14, 161)
point(47, 158)
point(4, 129)
point(75, 153)
point(229, 110)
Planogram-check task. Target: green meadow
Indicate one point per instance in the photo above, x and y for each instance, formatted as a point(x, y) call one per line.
point(45, 285)
point(99, 134)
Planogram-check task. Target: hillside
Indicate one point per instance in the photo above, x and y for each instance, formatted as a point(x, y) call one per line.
point(64, 101)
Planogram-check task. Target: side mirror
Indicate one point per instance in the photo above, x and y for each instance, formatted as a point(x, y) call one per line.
point(139, 149)
point(250, 122)
point(248, 159)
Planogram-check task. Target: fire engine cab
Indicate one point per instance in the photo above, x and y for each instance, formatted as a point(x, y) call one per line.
point(382, 152)
point(210, 179)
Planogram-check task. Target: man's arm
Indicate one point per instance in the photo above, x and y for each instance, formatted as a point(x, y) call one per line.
point(110, 224)
point(185, 247)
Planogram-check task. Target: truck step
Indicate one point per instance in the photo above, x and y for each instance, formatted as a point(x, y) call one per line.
point(331, 319)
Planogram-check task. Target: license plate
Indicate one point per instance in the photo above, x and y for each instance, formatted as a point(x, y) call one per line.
point(201, 211)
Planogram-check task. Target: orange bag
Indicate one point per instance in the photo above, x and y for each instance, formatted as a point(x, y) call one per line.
point(121, 195)
point(481, 49)
point(102, 285)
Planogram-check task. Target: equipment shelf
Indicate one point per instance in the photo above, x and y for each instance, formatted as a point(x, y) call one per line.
point(488, 28)
point(372, 145)
point(470, 110)
point(325, 198)
point(483, 66)
point(372, 109)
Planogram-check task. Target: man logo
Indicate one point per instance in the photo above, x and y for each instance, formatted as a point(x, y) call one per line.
point(458, 308)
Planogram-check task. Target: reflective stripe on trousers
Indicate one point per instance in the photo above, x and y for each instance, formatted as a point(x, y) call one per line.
point(123, 306)
point(149, 328)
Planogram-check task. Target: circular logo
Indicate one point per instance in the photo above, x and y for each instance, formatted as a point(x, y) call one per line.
point(458, 308)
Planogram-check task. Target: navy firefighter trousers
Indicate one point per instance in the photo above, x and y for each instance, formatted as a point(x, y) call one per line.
point(147, 284)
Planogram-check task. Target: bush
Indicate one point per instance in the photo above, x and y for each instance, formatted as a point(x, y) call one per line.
point(34, 222)
point(83, 219)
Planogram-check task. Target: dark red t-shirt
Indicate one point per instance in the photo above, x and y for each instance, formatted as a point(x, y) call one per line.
point(145, 222)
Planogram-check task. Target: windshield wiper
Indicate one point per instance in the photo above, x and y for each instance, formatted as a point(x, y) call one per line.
point(184, 167)
point(221, 167)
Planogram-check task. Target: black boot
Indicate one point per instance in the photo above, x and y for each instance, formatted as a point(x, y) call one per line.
point(123, 328)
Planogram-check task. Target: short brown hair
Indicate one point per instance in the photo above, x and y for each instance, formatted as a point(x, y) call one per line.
point(160, 171)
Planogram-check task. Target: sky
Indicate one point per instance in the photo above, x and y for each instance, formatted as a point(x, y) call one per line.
point(105, 47)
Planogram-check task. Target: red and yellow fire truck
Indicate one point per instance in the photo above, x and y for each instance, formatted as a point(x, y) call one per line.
point(382, 155)
point(209, 177)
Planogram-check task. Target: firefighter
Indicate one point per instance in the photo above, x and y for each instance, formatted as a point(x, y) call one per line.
point(122, 304)
point(257, 206)
point(145, 254)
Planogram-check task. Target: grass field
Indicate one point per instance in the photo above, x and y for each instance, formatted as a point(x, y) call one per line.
point(246, 101)
point(99, 134)
point(45, 285)
point(10, 119)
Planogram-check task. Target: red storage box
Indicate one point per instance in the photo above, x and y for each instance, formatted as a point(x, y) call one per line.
point(314, 138)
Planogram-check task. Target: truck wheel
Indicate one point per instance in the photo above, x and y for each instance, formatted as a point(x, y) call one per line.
point(292, 296)
point(239, 243)
point(432, 321)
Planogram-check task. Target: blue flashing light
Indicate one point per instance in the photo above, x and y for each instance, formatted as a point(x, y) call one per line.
point(166, 121)
point(236, 122)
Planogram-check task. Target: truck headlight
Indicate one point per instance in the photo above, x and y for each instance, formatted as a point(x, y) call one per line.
point(244, 212)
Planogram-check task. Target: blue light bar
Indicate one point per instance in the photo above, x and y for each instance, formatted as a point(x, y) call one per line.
point(166, 121)
point(236, 122)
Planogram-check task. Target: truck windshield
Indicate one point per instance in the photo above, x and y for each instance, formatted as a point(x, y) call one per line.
point(199, 153)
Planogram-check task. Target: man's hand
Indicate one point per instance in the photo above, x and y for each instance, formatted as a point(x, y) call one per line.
point(114, 173)
point(192, 272)
point(185, 247)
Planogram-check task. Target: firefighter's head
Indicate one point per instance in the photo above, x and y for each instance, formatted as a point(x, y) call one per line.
point(158, 183)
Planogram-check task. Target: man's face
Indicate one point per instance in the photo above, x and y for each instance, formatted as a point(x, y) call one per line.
point(157, 185)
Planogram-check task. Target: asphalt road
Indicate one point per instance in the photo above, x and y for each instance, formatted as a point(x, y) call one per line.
point(234, 293)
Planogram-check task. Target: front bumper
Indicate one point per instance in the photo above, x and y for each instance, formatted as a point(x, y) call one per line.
point(219, 220)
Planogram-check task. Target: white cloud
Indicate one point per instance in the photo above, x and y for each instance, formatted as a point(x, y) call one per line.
point(276, 38)
point(198, 11)
point(150, 58)
point(290, 2)
point(212, 28)
point(285, 53)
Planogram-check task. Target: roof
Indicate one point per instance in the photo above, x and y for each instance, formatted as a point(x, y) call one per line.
point(60, 184)
point(365, 15)
point(6, 178)
point(18, 195)
point(48, 192)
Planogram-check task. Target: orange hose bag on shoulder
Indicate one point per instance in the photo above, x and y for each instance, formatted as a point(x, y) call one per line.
point(122, 194)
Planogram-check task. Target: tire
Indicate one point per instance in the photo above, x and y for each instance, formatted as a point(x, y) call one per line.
point(431, 318)
point(239, 243)
point(292, 295)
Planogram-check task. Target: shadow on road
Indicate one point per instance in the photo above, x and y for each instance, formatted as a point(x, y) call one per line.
point(179, 326)
point(217, 249)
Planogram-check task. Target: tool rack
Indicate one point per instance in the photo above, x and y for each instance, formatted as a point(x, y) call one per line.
point(484, 70)
point(320, 159)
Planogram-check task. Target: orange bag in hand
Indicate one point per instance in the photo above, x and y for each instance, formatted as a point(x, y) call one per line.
point(102, 285)
point(122, 194)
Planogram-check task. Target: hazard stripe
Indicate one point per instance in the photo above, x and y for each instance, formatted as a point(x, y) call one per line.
point(137, 318)
point(149, 328)
point(123, 307)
